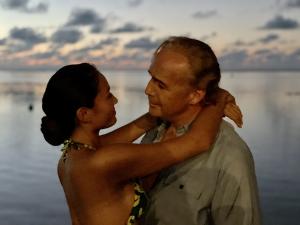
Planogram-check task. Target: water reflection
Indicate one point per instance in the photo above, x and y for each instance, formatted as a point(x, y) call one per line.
point(30, 193)
point(272, 129)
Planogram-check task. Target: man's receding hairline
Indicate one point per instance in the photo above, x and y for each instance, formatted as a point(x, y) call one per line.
point(182, 52)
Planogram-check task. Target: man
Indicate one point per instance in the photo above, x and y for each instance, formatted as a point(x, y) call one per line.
point(216, 187)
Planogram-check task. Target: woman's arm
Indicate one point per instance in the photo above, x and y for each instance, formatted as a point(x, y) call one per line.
point(133, 130)
point(231, 111)
point(126, 161)
point(129, 132)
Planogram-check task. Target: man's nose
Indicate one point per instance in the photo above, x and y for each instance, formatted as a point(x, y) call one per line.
point(149, 88)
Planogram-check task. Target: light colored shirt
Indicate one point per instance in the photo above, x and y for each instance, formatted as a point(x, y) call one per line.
point(216, 187)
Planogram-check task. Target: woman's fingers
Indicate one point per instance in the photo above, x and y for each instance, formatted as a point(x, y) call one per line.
point(236, 114)
point(233, 112)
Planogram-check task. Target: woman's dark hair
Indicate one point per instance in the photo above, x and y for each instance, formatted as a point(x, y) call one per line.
point(203, 63)
point(71, 87)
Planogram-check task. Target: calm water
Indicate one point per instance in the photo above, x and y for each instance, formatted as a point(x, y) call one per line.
point(30, 193)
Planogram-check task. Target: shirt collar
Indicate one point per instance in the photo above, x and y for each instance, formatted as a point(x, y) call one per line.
point(164, 125)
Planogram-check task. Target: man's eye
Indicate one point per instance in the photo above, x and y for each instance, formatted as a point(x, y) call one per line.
point(161, 86)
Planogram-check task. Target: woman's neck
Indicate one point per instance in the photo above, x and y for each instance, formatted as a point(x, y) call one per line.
point(86, 136)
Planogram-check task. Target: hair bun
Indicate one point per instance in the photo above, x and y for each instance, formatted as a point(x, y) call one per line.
point(53, 133)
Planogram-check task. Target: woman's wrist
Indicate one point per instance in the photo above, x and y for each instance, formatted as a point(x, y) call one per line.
point(146, 122)
point(222, 96)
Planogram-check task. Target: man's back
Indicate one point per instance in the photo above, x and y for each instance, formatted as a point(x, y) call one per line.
point(216, 187)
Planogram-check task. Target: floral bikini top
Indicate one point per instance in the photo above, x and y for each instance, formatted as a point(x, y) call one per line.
point(139, 205)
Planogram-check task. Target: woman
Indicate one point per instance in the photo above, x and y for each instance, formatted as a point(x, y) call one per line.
point(97, 172)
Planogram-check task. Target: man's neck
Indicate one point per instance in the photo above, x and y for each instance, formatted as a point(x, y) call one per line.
point(185, 118)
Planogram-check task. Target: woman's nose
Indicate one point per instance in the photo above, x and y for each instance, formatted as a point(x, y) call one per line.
point(115, 100)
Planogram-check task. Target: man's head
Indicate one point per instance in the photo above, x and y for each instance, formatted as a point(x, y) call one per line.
point(185, 73)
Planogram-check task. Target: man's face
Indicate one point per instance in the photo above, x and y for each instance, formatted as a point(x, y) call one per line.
point(169, 89)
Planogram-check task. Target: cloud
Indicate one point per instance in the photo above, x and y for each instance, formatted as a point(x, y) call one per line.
point(233, 59)
point(263, 59)
point(293, 4)
point(78, 55)
point(83, 17)
point(135, 3)
point(240, 43)
point(45, 55)
point(66, 36)
point(21, 39)
point(129, 28)
point(22, 6)
point(100, 45)
point(97, 28)
point(27, 35)
point(209, 36)
point(138, 60)
point(2, 41)
point(269, 38)
point(262, 52)
point(83, 54)
point(264, 40)
point(13, 47)
point(204, 15)
point(142, 43)
point(274, 59)
point(279, 22)
point(107, 42)
point(296, 53)
point(87, 17)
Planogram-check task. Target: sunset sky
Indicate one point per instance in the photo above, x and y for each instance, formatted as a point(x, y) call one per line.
point(122, 34)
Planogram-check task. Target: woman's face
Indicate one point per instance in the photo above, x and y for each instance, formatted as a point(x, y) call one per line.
point(104, 112)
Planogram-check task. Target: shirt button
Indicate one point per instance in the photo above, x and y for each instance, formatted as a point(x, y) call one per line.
point(181, 186)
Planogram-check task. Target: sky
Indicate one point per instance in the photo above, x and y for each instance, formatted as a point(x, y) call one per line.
point(123, 34)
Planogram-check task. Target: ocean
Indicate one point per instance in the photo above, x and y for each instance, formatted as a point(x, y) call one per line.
point(30, 192)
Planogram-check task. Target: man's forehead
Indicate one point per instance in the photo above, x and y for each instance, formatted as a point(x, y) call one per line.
point(157, 76)
point(169, 61)
point(171, 79)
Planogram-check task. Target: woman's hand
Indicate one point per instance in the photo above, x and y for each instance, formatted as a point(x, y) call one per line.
point(231, 110)
point(131, 131)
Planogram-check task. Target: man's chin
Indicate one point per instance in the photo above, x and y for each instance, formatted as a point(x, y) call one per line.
point(154, 112)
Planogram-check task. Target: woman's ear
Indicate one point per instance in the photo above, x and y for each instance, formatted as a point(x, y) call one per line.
point(197, 96)
point(82, 115)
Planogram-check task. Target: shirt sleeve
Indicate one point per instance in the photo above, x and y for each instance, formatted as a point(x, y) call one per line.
point(235, 200)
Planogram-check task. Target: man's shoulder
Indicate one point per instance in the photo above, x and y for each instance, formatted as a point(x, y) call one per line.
point(227, 127)
point(228, 148)
point(229, 137)
point(231, 147)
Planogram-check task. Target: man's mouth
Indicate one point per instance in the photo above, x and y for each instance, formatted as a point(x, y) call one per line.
point(152, 104)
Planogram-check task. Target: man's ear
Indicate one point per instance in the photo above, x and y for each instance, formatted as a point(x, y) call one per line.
point(82, 115)
point(197, 96)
